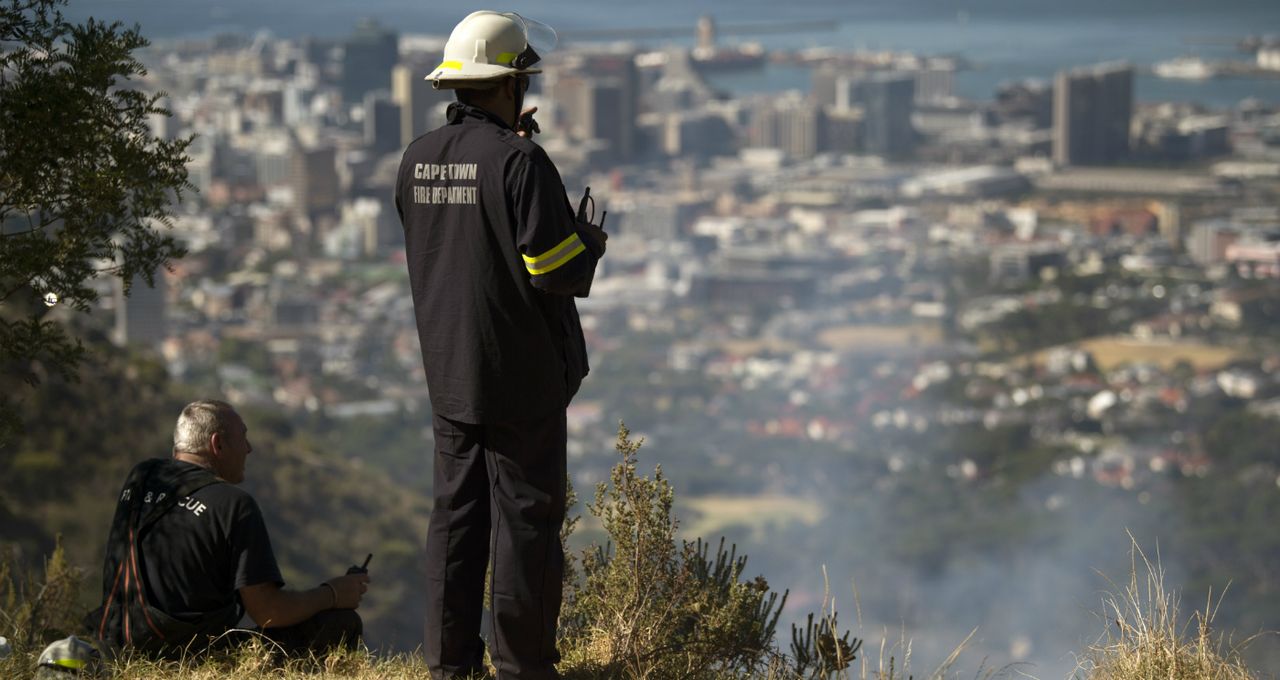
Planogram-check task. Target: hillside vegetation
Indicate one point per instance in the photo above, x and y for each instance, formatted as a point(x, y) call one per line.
point(647, 605)
point(323, 509)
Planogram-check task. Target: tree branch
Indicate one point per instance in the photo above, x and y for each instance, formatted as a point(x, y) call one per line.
point(32, 227)
point(11, 291)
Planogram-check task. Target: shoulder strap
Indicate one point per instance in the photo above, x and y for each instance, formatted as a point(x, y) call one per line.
point(176, 484)
point(153, 487)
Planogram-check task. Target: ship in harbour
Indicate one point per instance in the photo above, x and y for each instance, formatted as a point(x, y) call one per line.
point(1185, 68)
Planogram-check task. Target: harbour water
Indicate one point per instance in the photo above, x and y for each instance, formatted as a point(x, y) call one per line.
point(1005, 40)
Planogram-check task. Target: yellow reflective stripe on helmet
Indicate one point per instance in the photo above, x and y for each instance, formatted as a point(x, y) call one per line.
point(553, 259)
point(69, 663)
point(507, 57)
point(450, 65)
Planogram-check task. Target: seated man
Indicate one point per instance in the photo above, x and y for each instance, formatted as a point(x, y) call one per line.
point(188, 549)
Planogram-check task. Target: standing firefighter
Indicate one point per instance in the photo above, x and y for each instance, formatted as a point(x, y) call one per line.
point(495, 258)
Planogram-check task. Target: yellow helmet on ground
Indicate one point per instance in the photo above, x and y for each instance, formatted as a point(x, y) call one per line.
point(69, 655)
point(488, 46)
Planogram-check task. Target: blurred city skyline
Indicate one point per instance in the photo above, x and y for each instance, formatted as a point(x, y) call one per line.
point(1004, 41)
point(917, 320)
point(329, 17)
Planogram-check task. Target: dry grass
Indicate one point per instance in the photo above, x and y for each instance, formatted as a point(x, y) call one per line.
point(711, 515)
point(251, 661)
point(1146, 640)
point(751, 348)
point(893, 659)
point(1112, 351)
point(250, 664)
point(877, 338)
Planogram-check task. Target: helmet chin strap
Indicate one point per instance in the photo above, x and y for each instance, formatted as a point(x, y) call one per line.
point(519, 101)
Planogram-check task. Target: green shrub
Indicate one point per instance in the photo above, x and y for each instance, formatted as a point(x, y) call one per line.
point(35, 612)
point(819, 651)
point(647, 605)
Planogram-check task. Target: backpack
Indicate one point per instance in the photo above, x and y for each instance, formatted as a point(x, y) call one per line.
point(125, 619)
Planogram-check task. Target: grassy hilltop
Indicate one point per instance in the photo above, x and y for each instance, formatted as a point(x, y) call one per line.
point(648, 605)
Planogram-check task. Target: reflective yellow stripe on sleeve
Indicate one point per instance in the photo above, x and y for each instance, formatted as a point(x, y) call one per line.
point(556, 257)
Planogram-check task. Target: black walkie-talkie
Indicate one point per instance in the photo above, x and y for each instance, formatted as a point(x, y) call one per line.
point(362, 569)
point(582, 205)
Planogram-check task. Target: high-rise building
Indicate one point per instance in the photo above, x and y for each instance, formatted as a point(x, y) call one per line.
point(595, 98)
point(140, 317)
point(1210, 239)
point(1092, 109)
point(163, 125)
point(294, 107)
point(935, 83)
point(381, 122)
point(608, 115)
point(802, 130)
point(416, 97)
point(697, 133)
point(706, 30)
point(792, 125)
point(887, 101)
point(831, 87)
point(844, 131)
point(369, 55)
point(313, 50)
point(315, 180)
point(273, 160)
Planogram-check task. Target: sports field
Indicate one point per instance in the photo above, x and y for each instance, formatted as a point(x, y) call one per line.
point(873, 338)
point(1112, 351)
point(709, 516)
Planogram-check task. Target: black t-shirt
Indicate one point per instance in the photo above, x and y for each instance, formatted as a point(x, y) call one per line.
point(199, 553)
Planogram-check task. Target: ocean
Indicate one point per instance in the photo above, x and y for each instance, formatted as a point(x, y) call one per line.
point(1005, 40)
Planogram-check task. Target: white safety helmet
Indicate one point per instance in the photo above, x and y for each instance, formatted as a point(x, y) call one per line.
point(69, 655)
point(488, 46)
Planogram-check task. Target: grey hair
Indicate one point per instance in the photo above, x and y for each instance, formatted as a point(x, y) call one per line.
point(199, 421)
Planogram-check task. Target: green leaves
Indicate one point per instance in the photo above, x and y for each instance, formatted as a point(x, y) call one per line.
point(818, 651)
point(84, 188)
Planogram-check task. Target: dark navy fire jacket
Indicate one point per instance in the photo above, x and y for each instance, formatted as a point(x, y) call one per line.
point(495, 260)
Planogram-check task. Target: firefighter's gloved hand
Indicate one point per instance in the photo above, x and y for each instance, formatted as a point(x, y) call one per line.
point(594, 237)
point(349, 589)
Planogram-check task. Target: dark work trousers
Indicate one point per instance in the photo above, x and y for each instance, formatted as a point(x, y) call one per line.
point(500, 499)
point(317, 636)
point(320, 634)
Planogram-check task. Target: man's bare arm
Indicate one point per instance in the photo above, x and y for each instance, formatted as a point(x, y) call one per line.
point(271, 606)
